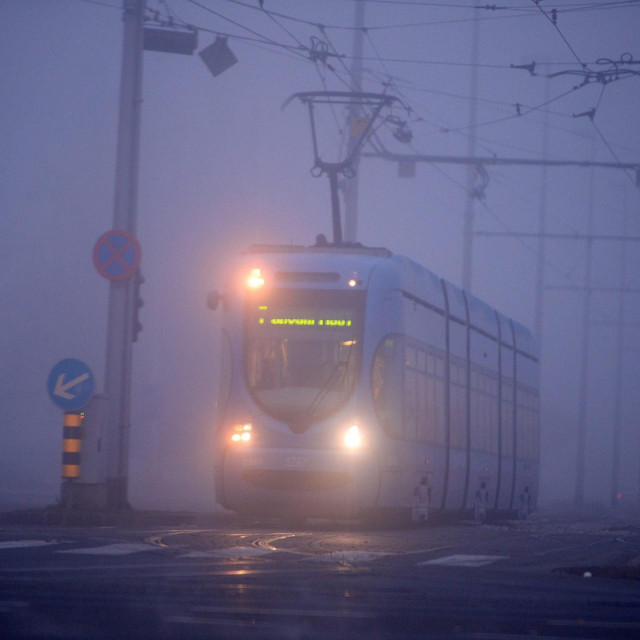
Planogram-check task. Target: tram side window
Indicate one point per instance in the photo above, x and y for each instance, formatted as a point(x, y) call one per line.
point(424, 394)
point(386, 384)
point(507, 420)
point(432, 401)
point(528, 417)
point(414, 389)
point(484, 412)
point(458, 408)
point(408, 390)
point(410, 414)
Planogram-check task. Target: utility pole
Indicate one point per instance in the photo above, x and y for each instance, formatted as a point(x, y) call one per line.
point(619, 379)
point(467, 250)
point(542, 229)
point(578, 499)
point(121, 294)
point(350, 185)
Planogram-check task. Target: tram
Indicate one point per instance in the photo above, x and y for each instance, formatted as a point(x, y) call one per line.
point(356, 382)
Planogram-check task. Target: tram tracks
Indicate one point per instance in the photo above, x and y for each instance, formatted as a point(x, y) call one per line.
point(522, 547)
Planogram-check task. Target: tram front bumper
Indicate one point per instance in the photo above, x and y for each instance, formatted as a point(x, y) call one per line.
point(308, 481)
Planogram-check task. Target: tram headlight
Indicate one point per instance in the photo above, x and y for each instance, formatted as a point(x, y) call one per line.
point(353, 437)
point(242, 433)
point(255, 279)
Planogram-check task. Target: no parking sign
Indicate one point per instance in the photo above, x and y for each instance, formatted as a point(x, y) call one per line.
point(116, 255)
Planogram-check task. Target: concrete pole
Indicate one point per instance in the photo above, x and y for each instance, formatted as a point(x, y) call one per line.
point(350, 185)
point(619, 380)
point(584, 356)
point(467, 250)
point(542, 229)
point(120, 314)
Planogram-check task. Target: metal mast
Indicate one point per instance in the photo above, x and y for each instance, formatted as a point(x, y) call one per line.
point(350, 188)
point(617, 412)
point(542, 229)
point(467, 251)
point(584, 357)
point(120, 315)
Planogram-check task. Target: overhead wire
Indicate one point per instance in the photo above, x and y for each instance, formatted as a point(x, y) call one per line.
point(342, 27)
point(612, 152)
point(523, 113)
point(287, 31)
point(522, 11)
point(170, 11)
point(554, 23)
point(302, 52)
point(585, 6)
point(100, 3)
point(592, 112)
point(240, 25)
point(492, 213)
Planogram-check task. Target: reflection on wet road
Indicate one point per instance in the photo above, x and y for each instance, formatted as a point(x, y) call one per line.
point(330, 581)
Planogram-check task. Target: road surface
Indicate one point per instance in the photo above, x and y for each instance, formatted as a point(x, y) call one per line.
point(548, 577)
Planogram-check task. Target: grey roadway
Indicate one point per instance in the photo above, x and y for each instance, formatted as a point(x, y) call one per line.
point(548, 577)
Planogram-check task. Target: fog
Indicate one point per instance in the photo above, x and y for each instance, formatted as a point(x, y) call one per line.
point(222, 166)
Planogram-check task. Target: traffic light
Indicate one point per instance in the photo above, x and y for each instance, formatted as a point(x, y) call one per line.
point(138, 303)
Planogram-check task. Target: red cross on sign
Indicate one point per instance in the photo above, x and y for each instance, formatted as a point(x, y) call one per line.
point(116, 255)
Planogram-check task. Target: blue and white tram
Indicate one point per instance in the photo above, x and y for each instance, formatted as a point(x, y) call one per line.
point(356, 381)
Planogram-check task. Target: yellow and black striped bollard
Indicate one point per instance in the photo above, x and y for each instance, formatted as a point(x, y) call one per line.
point(72, 444)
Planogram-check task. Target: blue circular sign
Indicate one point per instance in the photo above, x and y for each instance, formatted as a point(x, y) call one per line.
point(70, 384)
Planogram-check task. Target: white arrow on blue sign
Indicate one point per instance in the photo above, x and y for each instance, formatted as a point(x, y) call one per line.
point(70, 384)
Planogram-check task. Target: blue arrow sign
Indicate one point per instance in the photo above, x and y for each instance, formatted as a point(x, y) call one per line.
point(70, 384)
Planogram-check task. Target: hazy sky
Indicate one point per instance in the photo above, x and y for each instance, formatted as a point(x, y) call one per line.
point(222, 167)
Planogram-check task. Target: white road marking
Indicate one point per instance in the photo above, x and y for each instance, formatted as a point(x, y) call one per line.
point(594, 624)
point(312, 613)
point(350, 557)
point(23, 544)
point(461, 560)
point(117, 549)
point(229, 552)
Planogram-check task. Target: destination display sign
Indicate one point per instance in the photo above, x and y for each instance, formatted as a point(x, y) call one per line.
point(306, 322)
point(311, 311)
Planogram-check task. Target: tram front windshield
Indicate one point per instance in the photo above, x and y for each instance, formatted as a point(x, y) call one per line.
point(303, 351)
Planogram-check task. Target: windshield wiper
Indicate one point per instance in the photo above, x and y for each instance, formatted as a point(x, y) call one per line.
point(338, 373)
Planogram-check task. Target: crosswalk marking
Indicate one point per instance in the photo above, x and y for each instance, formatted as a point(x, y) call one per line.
point(461, 560)
point(350, 557)
point(345, 556)
point(23, 544)
point(229, 552)
point(117, 549)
